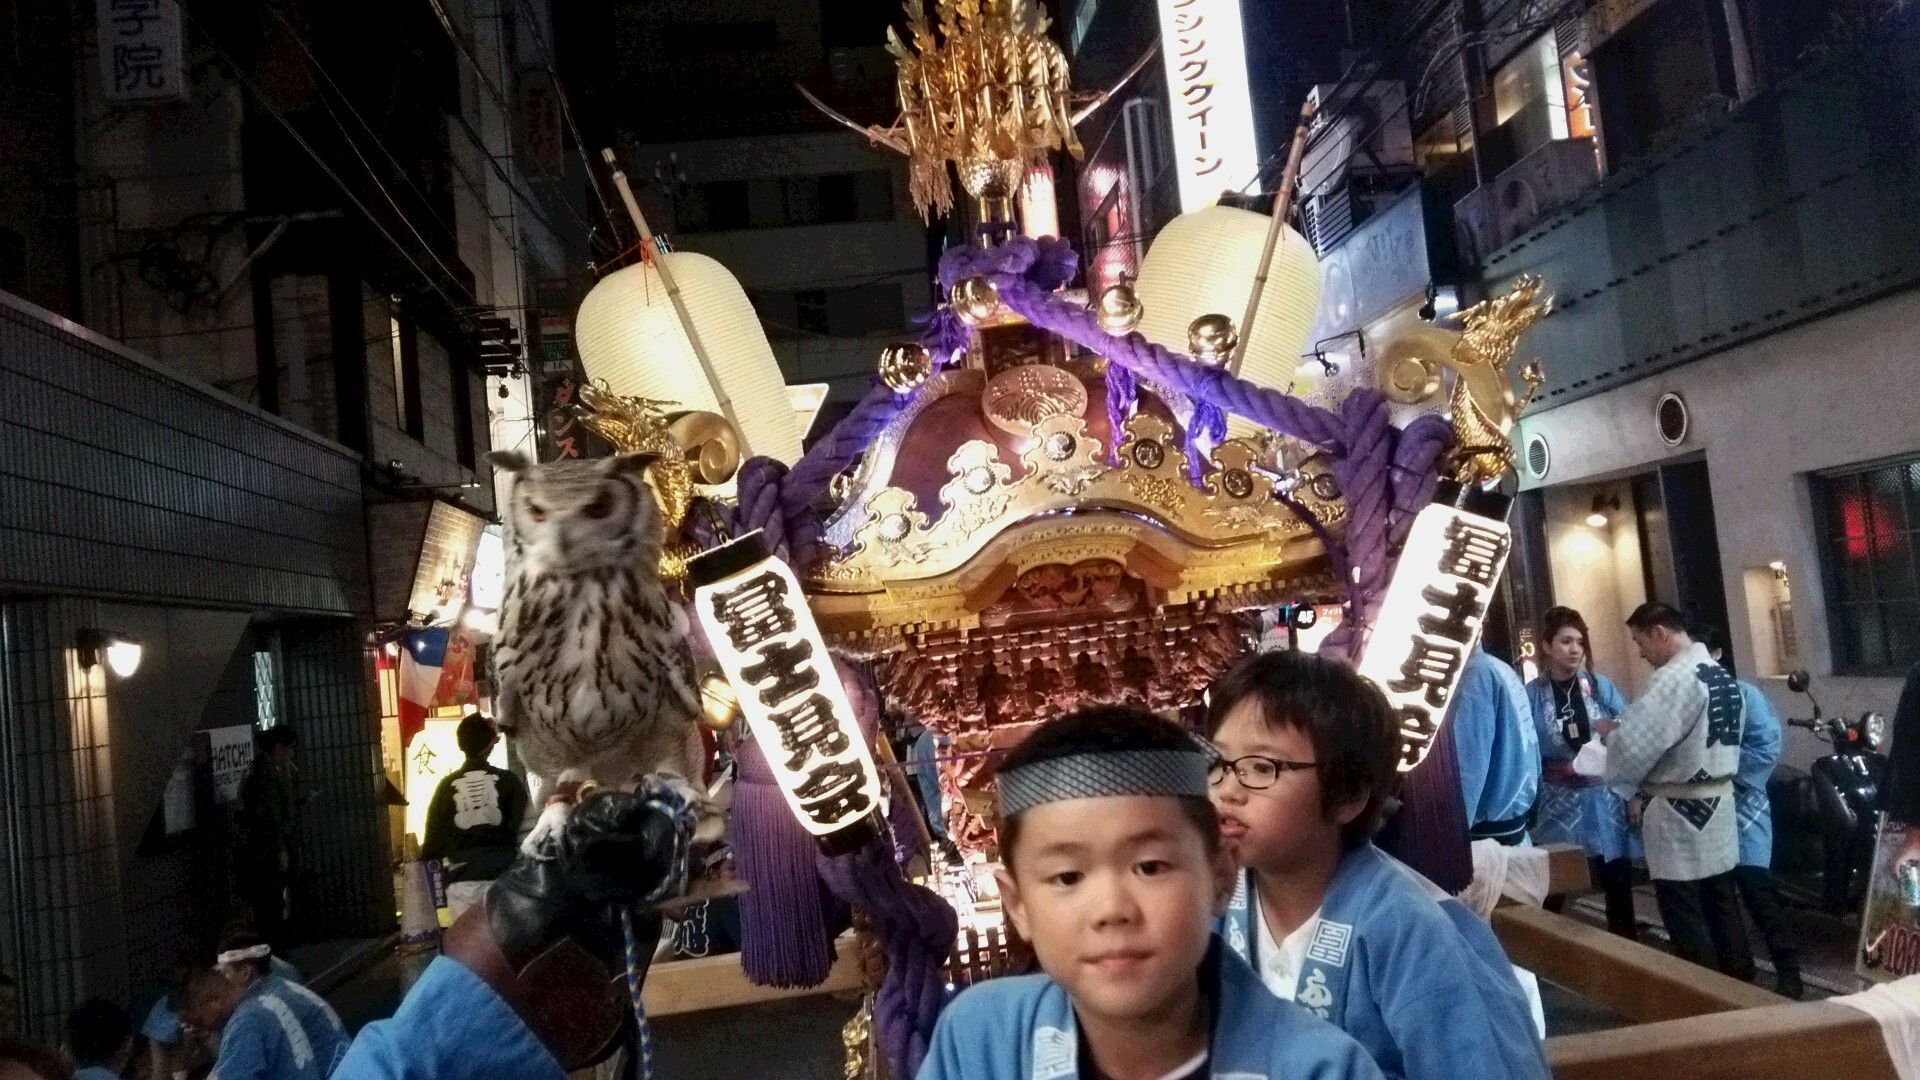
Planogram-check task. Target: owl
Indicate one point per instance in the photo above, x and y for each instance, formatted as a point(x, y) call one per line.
point(593, 676)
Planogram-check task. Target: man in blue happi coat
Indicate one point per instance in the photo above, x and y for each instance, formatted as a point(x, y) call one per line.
point(269, 1028)
point(1497, 749)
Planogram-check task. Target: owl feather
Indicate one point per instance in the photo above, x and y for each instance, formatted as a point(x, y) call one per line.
point(592, 670)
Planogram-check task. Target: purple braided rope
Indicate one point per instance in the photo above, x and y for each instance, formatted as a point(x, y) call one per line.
point(917, 930)
point(840, 447)
point(1416, 472)
point(760, 482)
point(1048, 262)
point(1263, 405)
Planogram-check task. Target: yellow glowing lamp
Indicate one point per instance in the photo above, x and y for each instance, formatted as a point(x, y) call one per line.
point(631, 333)
point(1204, 263)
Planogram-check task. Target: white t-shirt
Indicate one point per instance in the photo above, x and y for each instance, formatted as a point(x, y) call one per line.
point(1280, 960)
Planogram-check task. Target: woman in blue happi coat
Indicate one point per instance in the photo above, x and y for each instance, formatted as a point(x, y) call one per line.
point(1568, 699)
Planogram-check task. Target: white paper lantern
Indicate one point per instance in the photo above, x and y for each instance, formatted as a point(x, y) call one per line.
point(629, 335)
point(1204, 262)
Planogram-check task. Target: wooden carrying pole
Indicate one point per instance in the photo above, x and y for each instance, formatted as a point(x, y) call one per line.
point(1805, 1039)
point(722, 402)
point(1282, 207)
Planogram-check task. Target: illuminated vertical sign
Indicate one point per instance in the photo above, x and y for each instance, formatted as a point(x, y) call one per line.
point(1205, 56)
point(763, 634)
point(1431, 618)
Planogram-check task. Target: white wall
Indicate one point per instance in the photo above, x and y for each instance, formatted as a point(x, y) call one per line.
point(1828, 394)
point(1597, 572)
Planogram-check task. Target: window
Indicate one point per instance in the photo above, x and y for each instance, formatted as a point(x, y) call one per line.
point(1529, 98)
point(1664, 70)
point(818, 199)
point(846, 311)
point(406, 376)
point(1868, 519)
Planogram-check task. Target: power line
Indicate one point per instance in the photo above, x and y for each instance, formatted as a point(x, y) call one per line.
point(280, 117)
point(320, 69)
point(552, 61)
point(500, 99)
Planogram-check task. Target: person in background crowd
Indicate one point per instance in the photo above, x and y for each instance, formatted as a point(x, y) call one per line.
point(1309, 750)
point(270, 814)
point(1568, 698)
point(99, 1040)
point(1900, 798)
point(1679, 745)
point(1497, 752)
point(473, 822)
point(24, 1061)
point(168, 1050)
point(268, 1028)
point(9, 1006)
point(1760, 736)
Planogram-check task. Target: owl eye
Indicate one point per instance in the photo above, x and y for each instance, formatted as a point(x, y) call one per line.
point(536, 512)
point(600, 507)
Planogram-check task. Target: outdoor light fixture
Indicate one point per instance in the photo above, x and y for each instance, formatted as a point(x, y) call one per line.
point(121, 655)
point(1604, 504)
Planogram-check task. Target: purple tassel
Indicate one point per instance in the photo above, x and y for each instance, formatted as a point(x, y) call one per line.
point(785, 937)
point(945, 336)
point(1123, 391)
point(1208, 423)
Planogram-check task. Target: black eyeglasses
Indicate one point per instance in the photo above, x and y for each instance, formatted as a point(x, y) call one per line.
point(1255, 771)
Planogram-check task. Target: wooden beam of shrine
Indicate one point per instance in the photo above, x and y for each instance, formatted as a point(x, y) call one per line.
point(1567, 871)
point(1811, 1039)
point(717, 982)
point(1636, 982)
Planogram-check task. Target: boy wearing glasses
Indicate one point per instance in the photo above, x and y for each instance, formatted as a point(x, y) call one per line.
point(1309, 752)
point(1114, 870)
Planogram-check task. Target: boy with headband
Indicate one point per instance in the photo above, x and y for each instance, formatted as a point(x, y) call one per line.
point(1308, 753)
point(1113, 869)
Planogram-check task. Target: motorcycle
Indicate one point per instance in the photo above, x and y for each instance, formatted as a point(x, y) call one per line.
point(1846, 793)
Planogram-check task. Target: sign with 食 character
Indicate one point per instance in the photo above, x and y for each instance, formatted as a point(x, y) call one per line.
point(763, 635)
point(1431, 618)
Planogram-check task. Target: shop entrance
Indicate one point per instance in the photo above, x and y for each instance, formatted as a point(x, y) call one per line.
point(1612, 545)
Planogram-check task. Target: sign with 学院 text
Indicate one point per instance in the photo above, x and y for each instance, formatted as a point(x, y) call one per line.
point(763, 634)
point(1204, 52)
point(1431, 618)
point(141, 50)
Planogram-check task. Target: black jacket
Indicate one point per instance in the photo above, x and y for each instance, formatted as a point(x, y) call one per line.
point(1901, 798)
point(473, 822)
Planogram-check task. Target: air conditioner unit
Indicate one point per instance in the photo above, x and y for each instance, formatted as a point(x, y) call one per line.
point(1361, 127)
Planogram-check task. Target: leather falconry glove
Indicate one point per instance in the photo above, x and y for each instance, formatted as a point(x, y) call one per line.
point(549, 939)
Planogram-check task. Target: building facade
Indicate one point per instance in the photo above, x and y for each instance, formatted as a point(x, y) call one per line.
point(728, 159)
point(267, 280)
point(1719, 195)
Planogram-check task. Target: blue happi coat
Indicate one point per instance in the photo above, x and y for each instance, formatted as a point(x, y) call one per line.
point(1410, 972)
point(451, 1026)
point(1579, 810)
point(280, 1031)
point(1023, 1028)
point(1759, 752)
point(1494, 741)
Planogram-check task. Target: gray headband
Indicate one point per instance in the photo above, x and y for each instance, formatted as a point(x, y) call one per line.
point(1104, 774)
